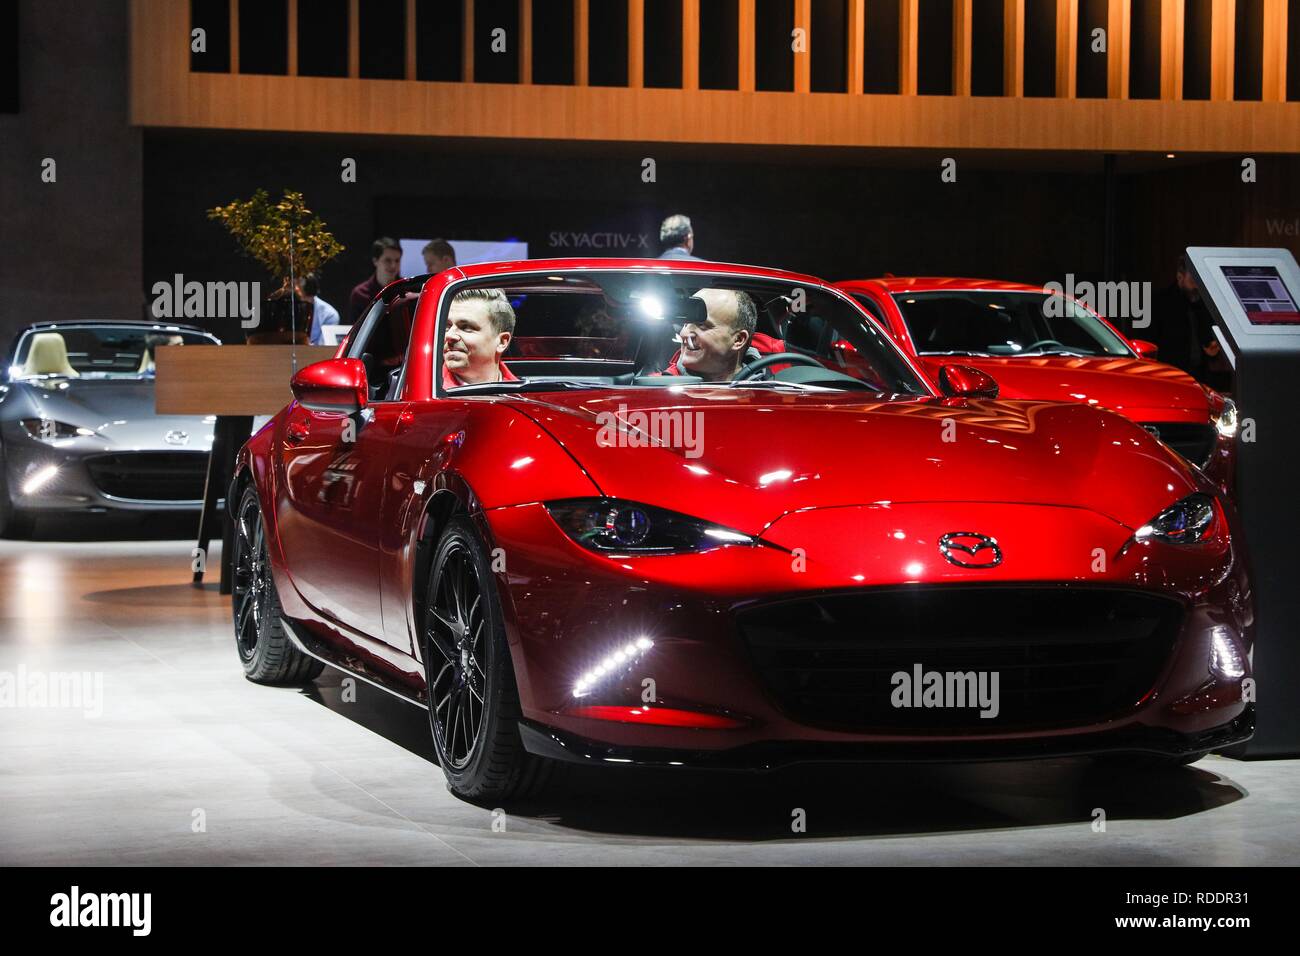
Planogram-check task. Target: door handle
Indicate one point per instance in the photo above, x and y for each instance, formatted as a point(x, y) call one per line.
point(297, 431)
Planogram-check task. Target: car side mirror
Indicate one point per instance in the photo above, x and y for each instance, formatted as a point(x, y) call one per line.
point(335, 385)
point(1145, 349)
point(963, 381)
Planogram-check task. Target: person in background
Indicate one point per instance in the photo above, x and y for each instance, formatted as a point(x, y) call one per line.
point(678, 238)
point(322, 313)
point(386, 255)
point(439, 256)
point(1181, 326)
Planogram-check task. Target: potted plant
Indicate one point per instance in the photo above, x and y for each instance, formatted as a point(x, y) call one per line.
point(288, 241)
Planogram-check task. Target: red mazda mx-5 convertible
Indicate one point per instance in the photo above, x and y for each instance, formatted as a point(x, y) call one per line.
point(1011, 332)
point(690, 514)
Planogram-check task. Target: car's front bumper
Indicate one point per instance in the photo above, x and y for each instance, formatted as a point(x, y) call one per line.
point(568, 611)
point(543, 741)
point(99, 480)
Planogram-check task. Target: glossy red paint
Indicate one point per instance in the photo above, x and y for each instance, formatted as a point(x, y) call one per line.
point(964, 381)
point(846, 495)
point(1136, 386)
point(657, 717)
point(338, 385)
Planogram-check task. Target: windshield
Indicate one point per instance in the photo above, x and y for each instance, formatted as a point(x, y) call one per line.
point(1004, 323)
point(97, 351)
point(657, 330)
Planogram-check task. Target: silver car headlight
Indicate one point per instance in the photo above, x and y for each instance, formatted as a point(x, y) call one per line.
point(49, 430)
point(1190, 521)
point(610, 526)
point(1226, 421)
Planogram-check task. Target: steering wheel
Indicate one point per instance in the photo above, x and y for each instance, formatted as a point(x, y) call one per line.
point(775, 358)
point(1033, 345)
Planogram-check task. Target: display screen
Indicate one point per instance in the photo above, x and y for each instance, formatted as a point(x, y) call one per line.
point(1263, 295)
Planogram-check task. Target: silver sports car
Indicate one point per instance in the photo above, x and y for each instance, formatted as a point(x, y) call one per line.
point(78, 431)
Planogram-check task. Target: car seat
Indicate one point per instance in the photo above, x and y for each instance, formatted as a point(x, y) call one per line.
point(48, 355)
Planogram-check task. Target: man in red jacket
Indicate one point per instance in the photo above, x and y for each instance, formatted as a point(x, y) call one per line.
point(480, 324)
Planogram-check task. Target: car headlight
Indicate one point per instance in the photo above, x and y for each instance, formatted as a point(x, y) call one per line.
point(609, 526)
point(1189, 521)
point(1226, 421)
point(47, 429)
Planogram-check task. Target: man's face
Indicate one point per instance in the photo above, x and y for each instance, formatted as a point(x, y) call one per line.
point(435, 263)
point(713, 349)
point(386, 265)
point(471, 344)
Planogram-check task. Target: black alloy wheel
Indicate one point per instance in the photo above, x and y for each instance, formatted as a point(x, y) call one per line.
point(455, 632)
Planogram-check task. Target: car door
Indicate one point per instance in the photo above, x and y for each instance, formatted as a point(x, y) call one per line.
point(331, 488)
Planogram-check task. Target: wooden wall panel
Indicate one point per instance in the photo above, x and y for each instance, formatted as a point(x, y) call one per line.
point(1067, 47)
point(854, 62)
point(1013, 47)
point(961, 47)
point(908, 29)
point(745, 38)
point(1223, 48)
point(1172, 20)
point(1275, 51)
point(1119, 47)
point(165, 93)
point(230, 379)
point(803, 61)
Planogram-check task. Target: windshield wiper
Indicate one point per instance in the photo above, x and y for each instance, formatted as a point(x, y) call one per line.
point(960, 352)
point(1070, 352)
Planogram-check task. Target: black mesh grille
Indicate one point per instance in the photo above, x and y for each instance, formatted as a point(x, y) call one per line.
point(151, 476)
point(1193, 442)
point(1062, 656)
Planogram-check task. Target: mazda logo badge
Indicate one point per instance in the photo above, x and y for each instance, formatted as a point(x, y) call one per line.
point(964, 548)
point(176, 437)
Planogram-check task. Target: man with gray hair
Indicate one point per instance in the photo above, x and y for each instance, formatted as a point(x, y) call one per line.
point(480, 324)
point(677, 237)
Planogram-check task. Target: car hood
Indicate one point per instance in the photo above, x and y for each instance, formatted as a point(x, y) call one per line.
point(120, 411)
point(744, 458)
point(1137, 388)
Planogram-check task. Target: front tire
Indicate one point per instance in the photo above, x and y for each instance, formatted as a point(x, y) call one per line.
point(473, 699)
point(266, 652)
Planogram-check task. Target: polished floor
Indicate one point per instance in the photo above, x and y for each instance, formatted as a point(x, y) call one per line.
point(188, 763)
